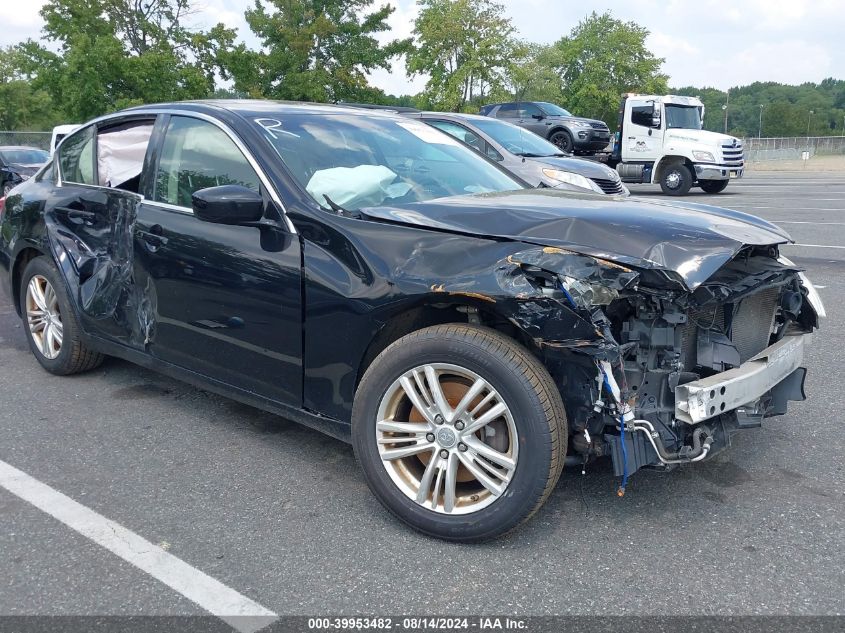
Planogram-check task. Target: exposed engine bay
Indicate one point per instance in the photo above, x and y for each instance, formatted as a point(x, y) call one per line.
point(684, 370)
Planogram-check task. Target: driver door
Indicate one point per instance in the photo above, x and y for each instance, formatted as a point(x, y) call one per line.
point(227, 298)
point(642, 139)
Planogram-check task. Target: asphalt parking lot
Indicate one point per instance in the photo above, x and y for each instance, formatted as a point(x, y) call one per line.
point(281, 515)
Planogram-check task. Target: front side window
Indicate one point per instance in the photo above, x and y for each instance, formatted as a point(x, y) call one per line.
point(529, 110)
point(643, 115)
point(197, 155)
point(508, 111)
point(356, 160)
point(76, 157)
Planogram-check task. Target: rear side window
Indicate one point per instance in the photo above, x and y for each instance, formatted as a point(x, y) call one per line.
point(197, 155)
point(508, 111)
point(76, 157)
point(120, 154)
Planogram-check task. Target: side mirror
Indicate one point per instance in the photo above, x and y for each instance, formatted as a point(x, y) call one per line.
point(655, 119)
point(539, 117)
point(228, 204)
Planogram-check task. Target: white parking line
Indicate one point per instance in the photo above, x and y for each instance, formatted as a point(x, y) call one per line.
point(815, 245)
point(224, 602)
point(806, 222)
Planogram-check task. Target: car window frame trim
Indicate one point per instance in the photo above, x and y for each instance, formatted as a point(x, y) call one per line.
point(155, 113)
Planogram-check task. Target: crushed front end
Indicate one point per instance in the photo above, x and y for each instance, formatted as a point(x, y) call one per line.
point(671, 373)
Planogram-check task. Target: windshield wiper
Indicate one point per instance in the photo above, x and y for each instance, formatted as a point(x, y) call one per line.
point(334, 206)
point(529, 155)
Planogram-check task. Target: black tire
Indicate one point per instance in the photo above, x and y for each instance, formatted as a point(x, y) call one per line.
point(73, 356)
point(563, 140)
point(713, 186)
point(676, 180)
point(528, 391)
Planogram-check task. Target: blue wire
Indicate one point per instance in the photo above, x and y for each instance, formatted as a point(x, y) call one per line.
point(621, 439)
point(568, 296)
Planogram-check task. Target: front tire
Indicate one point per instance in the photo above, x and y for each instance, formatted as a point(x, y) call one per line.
point(460, 432)
point(49, 322)
point(563, 140)
point(713, 186)
point(676, 180)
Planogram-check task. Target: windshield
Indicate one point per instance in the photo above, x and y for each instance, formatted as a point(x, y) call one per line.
point(514, 139)
point(683, 117)
point(357, 160)
point(552, 109)
point(25, 156)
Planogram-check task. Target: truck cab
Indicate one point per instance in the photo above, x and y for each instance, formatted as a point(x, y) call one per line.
point(659, 140)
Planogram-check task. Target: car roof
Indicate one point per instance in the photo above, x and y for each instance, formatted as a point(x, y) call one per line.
point(261, 107)
point(455, 115)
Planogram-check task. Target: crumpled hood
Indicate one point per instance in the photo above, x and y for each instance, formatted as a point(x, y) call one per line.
point(691, 240)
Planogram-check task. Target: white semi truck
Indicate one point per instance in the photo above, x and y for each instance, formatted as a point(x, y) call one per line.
point(659, 140)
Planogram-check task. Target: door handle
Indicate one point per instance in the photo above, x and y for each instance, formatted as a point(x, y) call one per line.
point(77, 215)
point(153, 238)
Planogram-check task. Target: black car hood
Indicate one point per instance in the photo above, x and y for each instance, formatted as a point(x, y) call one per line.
point(691, 240)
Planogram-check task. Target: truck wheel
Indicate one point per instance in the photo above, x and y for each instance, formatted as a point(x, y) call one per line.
point(460, 432)
point(563, 140)
point(676, 180)
point(713, 186)
point(49, 322)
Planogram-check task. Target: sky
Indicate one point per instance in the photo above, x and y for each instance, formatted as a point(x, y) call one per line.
point(704, 42)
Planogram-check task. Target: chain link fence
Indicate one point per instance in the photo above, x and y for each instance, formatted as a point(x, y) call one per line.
point(40, 140)
point(791, 147)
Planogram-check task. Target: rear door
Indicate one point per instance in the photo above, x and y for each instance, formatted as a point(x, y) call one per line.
point(227, 298)
point(89, 218)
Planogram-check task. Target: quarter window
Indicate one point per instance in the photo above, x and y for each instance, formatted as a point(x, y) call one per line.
point(197, 155)
point(76, 157)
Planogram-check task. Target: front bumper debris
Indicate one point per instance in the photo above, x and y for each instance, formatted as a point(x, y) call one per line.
point(706, 398)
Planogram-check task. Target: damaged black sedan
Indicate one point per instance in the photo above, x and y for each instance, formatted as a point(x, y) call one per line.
point(369, 276)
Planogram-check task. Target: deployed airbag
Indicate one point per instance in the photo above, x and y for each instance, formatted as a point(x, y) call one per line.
point(356, 187)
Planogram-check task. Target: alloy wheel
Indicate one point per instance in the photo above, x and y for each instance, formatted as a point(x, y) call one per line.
point(44, 316)
point(447, 438)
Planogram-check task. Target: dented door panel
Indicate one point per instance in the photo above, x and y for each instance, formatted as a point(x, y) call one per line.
point(89, 231)
point(227, 300)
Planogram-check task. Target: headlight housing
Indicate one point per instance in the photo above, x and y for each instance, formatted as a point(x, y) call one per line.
point(705, 157)
point(585, 294)
point(571, 178)
point(581, 124)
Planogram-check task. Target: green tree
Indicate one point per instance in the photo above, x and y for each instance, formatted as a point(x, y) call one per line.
point(116, 53)
point(465, 47)
point(313, 50)
point(599, 61)
point(21, 106)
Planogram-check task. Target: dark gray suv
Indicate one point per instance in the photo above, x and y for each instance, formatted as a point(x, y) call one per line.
point(570, 133)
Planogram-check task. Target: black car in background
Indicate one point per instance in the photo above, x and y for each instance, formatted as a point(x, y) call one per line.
point(371, 276)
point(19, 163)
point(572, 134)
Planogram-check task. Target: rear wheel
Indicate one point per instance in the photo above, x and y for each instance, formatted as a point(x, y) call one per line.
point(563, 140)
point(713, 186)
point(49, 322)
point(460, 432)
point(676, 180)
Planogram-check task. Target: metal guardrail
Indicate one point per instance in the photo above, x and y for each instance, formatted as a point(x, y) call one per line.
point(792, 147)
point(40, 140)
